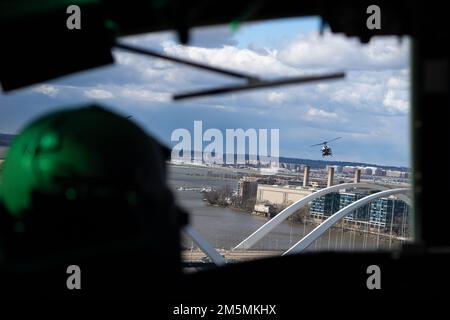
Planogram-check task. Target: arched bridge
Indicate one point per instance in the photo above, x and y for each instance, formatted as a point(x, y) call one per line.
point(280, 217)
point(218, 259)
point(328, 223)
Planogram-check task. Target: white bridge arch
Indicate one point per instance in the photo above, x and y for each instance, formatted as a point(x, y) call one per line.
point(284, 214)
point(307, 240)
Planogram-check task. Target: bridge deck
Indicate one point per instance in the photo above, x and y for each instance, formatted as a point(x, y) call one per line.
point(230, 255)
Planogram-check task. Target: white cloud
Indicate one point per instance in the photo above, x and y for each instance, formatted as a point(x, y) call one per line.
point(392, 101)
point(397, 83)
point(365, 89)
point(277, 97)
point(338, 52)
point(140, 94)
point(315, 113)
point(48, 90)
point(323, 87)
point(98, 94)
point(344, 95)
point(239, 59)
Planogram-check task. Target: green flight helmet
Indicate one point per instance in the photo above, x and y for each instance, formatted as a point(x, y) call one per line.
point(82, 179)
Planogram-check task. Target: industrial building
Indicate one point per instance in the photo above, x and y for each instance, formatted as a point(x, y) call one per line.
point(247, 188)
point(281, 195)
point(265, 210)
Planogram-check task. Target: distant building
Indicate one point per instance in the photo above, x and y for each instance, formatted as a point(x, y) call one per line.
point(319, 183)
point(338, 169)
point(247, 188)
point(393, 173)
point(347, 198)
point(348, 169)
point(325, 205)
point(298, 183)
point(383, 211)
point(290, 166)
point(265, 209)
point(267, 180)
point(280, 195)
point(379, 172)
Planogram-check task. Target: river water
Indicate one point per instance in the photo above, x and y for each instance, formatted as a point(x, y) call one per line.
point(226, 227)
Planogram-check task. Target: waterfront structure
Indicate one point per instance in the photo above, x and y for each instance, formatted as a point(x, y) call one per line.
point(326, 205)
point(267, 210)
point(347, 198)
point(307, 240)
point(247, 188)
point(378, 213)
point(383, 211)
point(281, 195)
point(287, 212)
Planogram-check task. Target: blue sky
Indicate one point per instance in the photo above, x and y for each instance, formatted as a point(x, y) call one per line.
point(369, 109)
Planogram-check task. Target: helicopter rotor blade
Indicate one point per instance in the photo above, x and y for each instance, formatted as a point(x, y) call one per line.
point(191, 63)
point(318, 144)
point(253, 82)
point(325, 142)
point(334, 139)
point(259, 84)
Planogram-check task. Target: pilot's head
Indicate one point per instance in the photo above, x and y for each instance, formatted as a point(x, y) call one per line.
point(85, 183)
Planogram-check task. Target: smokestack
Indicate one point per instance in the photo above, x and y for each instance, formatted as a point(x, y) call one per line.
point(330, 176)
point(306, 176)
point(357, 176)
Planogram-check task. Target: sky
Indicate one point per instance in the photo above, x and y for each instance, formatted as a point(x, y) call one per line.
point(369, 109)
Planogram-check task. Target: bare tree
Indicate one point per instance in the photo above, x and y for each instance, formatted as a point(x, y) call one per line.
point(300, 215)
point(221, 197)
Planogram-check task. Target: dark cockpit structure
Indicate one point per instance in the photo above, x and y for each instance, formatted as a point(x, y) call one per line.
point(64, 201)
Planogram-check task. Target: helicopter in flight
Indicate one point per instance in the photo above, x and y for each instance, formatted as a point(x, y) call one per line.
point(326, 150)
